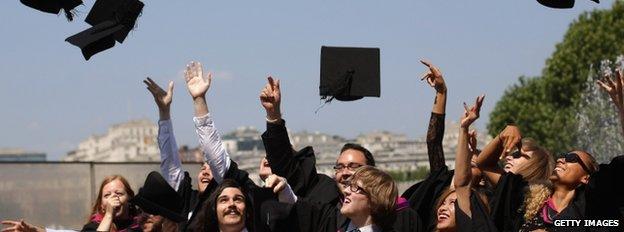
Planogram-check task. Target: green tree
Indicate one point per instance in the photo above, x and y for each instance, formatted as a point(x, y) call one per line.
point(545, 107)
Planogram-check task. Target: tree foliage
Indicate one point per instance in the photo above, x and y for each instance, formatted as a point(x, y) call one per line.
point(545, 107)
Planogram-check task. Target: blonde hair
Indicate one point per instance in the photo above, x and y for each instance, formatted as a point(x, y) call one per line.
point(539, 167)
point(536, 196)
point(382, 193)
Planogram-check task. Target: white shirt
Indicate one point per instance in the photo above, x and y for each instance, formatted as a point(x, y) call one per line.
point(212, 146)
point(368, 228)
point(219, 159)
point(170, 164)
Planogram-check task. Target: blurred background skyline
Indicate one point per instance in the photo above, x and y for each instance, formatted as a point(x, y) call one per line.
point(53, 99)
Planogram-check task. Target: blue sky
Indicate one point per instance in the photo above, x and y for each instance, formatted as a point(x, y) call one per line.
point(52, 98)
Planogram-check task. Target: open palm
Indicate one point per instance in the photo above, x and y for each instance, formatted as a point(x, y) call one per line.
point(195, 82)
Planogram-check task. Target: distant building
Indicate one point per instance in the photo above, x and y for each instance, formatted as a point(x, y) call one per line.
point(18, 154)
point(130, 141)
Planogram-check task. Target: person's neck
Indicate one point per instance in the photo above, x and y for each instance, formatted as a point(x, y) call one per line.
point(231, 228)
point(362, 221)
point(562, 196)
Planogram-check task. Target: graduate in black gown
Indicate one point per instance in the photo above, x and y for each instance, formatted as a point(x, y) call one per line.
point(420, 195)
point(170, 163)
point(578, 188)
point(462, 208)
point(368, 205)
point(299, 167)
point(224, 170)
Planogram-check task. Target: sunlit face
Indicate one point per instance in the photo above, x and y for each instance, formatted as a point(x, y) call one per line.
point(231, 209)
point(349, 157)
point(153, 223)
point(517, 160)
point(265, 169)
point(356, 202)
point(571, 174)
point(115, 190)
point(204, 177)
point(446, 214)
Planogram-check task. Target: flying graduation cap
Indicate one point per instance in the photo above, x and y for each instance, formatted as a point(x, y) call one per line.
point(54, 6)
point(349, 73)
point(561, 4)
point(112, 20)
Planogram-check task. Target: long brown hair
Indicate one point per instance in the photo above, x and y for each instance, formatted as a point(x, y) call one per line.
point(97, 206)
point(541, 164)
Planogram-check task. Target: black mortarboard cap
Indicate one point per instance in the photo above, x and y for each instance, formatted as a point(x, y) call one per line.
point(561, 4)
point(111, 20)
point(159, 198)
point(349, 73)
point(54, 6)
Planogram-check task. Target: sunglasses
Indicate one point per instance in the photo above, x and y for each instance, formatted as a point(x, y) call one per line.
point(572, 157)
point(517, 155)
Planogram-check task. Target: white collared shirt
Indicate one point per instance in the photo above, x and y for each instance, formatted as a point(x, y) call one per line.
point(368, 228)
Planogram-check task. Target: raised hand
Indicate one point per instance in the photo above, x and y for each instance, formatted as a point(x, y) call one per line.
point(434, 77)
point(20, 226)
point(472, 142)
point(275, 182)
point(511, 137)
point(271, 97)
point(196, 84)
point(161, 97)
point(471, 114)
point(614, 88)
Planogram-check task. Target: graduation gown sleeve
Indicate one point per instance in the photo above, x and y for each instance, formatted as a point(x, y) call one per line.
point(298, 167)
point(480, 220)
point(506, 204)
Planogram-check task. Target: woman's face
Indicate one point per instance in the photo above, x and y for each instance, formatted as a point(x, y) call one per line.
point(231, 208)
point(356, 202)
point(517, 160)
point(571, 173)
point(115, 191)
point(446, 213)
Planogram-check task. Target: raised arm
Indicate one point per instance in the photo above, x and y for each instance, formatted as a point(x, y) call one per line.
point(298, 167)
point(503, 143)
point(463, 175)
point(614, 89)
point(209, 138)
point(435, 131)
point(170, 164)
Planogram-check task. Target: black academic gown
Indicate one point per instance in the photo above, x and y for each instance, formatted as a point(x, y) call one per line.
point(424, 195)
point(299, 169)
point(601, 198)
point(480, 220)
point(193, 200)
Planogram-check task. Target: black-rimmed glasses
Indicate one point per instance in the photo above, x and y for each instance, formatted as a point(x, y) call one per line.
point(349, 166)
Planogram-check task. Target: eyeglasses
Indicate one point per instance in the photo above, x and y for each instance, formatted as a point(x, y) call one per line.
point(572, 157)
point(517, 155)
point(354, 188)
point(349, 166)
